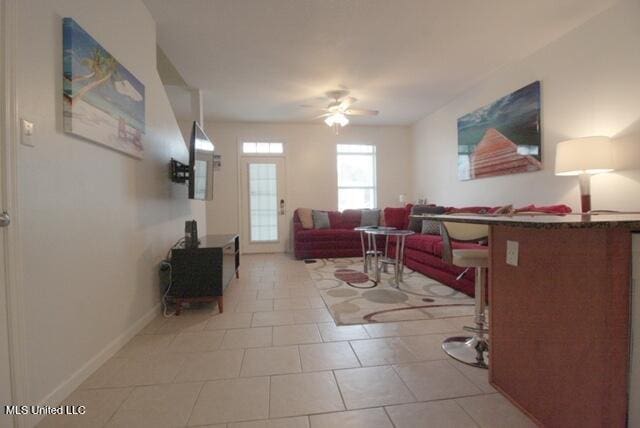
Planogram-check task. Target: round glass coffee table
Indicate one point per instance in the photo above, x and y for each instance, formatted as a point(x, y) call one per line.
point(398, 261)
point(368, 252)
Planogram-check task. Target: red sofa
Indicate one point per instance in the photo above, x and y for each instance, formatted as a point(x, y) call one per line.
point(423, 253)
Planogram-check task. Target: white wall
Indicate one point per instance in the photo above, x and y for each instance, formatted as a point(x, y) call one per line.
point(95, 223)
point(590, 86)
point(311, 165)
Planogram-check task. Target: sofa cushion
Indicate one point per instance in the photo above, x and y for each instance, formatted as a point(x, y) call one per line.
point(320, 219)
point(335, 219)
point(332, 235)
point(351, 218)
point(430, 227)
point(416, 224)
point(423, 242)
point(397, 217)
point(370, 218)
point(306, 217)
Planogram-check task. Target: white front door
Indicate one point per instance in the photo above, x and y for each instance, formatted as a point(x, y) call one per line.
point(262, 188)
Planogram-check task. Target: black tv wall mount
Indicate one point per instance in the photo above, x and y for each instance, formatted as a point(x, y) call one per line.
point(179, 171)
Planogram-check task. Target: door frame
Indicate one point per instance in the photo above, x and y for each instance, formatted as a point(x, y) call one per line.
point(240, 191)
point(9, 136)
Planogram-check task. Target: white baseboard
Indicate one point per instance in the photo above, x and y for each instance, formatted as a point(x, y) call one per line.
point(75, 380)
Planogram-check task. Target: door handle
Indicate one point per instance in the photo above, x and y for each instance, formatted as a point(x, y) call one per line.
point(5, 219)
point(281, 206)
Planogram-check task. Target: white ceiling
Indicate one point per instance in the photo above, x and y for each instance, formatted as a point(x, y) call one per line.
point(259, 60)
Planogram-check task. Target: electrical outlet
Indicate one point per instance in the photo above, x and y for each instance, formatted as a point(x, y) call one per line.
point(512, 253)
point(27, 129)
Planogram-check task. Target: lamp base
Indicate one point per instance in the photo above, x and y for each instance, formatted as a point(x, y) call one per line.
point(585, 192)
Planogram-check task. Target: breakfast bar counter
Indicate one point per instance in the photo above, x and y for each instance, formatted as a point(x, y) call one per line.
point(560, 315)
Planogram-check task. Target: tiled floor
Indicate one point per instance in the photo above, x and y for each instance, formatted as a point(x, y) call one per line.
point(276, 359)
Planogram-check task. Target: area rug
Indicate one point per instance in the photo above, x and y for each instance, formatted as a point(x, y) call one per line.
point(353, 297)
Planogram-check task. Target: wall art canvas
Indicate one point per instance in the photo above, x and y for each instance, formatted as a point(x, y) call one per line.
point(103, 101)
point(502, 137)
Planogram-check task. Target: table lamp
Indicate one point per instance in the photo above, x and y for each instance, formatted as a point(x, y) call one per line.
point(584, 157)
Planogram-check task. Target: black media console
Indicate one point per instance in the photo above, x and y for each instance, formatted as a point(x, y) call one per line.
point(202, 274)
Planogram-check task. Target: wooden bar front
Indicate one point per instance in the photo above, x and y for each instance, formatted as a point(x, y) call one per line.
point(560, 323)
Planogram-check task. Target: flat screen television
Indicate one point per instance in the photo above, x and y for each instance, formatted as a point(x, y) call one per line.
point(201, 150)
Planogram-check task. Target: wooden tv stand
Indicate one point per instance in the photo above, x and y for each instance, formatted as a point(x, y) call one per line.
point(202, 274)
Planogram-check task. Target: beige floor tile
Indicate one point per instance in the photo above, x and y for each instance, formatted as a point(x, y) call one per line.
point(228, 320)
point(375, 352)
point(445, 413)
point(265, 305)
point(221, 364)
point(271, 361)
point(331, 332)
point(495, 411)
point(200, 341)
point(297, 422)
point(144, 346)
point(306, 393)
point(409, 328)
point(234, 400)
point(157, 406)
point(153, 325)
point(100, 405)
point(261, 319)
point(433, 380)
point(296, 334)
point(479, 377)
point(428, 347)
point(247, 338)
point(367, 418)
point(161, 368)
point(371, 387)
point(289, 304)
point(103, 373)
point(327, 356)
point(184, 323)
point(312, 316)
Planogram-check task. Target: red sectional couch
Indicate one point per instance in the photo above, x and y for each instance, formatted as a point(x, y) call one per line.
point(423, 253)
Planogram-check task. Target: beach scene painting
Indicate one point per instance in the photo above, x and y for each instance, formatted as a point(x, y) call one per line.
point(502, 137)
point(103, 101)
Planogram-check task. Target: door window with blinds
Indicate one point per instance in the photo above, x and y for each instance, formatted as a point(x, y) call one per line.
point(356, 176)
point(263, 202)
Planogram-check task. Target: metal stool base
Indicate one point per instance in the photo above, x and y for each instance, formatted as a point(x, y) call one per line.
point(464, 349)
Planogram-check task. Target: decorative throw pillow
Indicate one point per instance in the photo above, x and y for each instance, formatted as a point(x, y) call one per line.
point(504, 210)
point(320, 219)
point(304, 214)
point(430, 227)
point(370, 218)
point(415, 224)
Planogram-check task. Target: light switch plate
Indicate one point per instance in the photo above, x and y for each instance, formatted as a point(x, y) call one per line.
point(27, 130)
point(512, 253)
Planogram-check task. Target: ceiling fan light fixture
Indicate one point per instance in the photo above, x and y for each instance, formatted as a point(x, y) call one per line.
point(337, 118)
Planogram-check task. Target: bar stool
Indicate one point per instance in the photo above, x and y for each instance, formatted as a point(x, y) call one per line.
point(472, 350)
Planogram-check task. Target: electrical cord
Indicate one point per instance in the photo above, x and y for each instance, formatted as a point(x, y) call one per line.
point(166, 293)
point(167, 263)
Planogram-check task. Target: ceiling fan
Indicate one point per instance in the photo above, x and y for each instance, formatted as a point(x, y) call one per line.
point(336, 114)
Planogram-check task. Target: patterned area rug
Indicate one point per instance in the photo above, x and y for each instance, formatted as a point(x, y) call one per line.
point(354, 298)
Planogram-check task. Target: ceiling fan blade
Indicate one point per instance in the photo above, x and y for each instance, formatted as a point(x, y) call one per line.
point(322, 115)
point(346, 102)
point(361, 112)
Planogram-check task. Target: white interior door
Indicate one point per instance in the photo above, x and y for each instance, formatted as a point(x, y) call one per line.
point(5, 372)
point(264, 226)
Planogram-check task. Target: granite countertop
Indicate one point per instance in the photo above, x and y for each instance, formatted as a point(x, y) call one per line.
point(545, 221)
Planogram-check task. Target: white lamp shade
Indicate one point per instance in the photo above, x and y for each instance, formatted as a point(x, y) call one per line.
point(590, 155)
